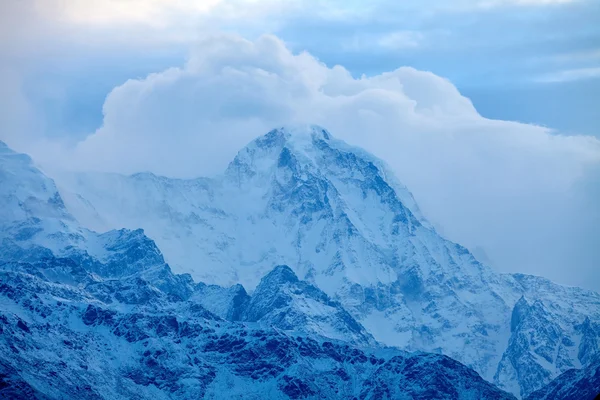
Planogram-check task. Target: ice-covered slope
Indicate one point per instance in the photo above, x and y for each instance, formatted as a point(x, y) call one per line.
point(339, 219)
point(25, 192)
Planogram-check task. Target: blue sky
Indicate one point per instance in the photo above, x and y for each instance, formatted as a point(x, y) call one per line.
point(177, 87)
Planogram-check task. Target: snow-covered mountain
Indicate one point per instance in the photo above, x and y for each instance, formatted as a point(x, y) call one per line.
point(366, 265)
point(338, 217)
point(101, 316)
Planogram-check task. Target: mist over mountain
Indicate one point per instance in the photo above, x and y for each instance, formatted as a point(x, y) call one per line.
point(301, 235)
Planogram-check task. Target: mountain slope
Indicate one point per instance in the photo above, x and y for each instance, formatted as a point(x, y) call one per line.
point(34, 224)
point(61, 341)
point(337, 216)
point(583, 384)
point(283, 301)
point(549, 335)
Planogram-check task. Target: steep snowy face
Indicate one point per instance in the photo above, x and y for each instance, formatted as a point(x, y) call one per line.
point(589, 345)
point(35, 225)
point(535, 337)
point(228, 303)
point(25, 192)
point(330, 205)
point(339, 219)
point(33, 217)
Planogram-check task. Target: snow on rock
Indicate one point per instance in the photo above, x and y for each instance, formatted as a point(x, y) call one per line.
point(574, 384)
point(102, 316)
point(228, 303)
point(283, 301)
point(340, 220)
point(286, 303)
point(77, 341)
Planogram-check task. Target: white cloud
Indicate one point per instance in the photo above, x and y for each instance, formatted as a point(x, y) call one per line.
point(519, 191)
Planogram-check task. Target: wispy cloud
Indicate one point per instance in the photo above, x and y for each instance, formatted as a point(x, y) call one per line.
point(569, 75)
point(387, 41)
point(578, 56)
point(401, 40)
point(496, 3)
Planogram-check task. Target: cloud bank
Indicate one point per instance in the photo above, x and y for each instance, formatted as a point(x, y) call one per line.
point(522, 193)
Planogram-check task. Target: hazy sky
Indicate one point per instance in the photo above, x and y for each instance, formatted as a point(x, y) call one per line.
point(177, 86)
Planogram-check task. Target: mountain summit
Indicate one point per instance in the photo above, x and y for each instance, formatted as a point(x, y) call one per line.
point(338, 217)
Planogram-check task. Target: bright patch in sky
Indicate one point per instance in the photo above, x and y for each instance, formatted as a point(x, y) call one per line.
point(104, 12)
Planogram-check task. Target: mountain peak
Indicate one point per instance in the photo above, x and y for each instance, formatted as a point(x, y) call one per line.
point(279, 275)
point(9, 155)
point(307, 130)
point(298, 136)
point(292, 147)
point(307, 159)
point(291, 133)
point(284, 301)
point(25, 192)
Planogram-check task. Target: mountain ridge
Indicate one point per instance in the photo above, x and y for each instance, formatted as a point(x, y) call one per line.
point(102, 316)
